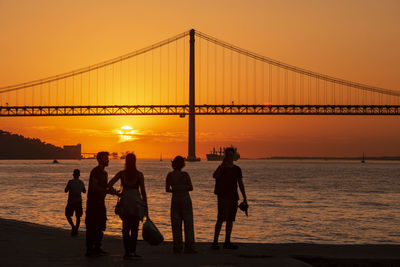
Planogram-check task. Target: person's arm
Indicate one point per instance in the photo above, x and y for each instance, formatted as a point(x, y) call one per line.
point(217, 172)
point(83, 188)
point(241, 186)
point(142, 188)
point(67, 188)
point(168, 186)
point(188, 182)
point(110, 184)
point(114, 180)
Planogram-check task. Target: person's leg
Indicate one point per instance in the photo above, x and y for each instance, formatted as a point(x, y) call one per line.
point(189, 228)
point(218, 226)
point(78, 214)
point(78, 222)
point(134, 233)
point(69, 212)
point(231, 207)
point(89, 240)
point(228, 231)
point(101, 218)
point(99, 238)
point(176, 222)
point(189, 232)
point(69, 219)
point(125, 234)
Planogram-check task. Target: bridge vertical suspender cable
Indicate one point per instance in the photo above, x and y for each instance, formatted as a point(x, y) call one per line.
point(287, 85)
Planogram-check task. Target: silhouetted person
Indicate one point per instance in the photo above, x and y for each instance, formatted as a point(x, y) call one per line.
point(74, 188)
point(227, 177)
point(134, 203)
point(95, 208)
point(179, 184)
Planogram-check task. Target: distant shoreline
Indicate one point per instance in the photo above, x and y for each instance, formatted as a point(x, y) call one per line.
point(394, 158)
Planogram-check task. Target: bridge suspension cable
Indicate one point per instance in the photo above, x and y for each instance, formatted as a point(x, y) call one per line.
point(226, 75)
point(93, 67)
point(294, 68)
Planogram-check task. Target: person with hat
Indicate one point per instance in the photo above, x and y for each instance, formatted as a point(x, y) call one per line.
point(227, 178)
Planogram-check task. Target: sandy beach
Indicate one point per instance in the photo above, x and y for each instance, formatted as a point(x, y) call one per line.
point(28, 244)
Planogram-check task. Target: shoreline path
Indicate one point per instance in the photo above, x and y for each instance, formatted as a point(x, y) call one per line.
point(28, 244)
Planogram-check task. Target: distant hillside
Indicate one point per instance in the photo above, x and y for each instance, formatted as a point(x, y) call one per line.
point(14, 146)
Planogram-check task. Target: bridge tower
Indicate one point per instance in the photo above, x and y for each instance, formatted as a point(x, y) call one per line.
point(192, 125)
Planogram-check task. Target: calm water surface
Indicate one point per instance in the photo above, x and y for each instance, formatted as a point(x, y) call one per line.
point(290, 201)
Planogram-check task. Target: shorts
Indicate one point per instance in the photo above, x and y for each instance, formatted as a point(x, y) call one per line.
point(74, 207)
point(227, 209)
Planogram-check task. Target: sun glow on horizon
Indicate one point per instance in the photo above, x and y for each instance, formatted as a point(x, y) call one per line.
point(126, 133)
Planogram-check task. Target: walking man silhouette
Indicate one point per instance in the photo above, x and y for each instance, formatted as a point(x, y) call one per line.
point(74, 189)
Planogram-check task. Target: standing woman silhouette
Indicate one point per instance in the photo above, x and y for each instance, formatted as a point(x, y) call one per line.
point(179, 184)
point(134, 203)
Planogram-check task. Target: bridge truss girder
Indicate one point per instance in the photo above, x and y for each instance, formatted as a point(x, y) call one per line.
point(183, 110)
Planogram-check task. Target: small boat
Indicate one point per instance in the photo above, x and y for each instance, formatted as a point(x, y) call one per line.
point(161, 157)
point(55, 161)
point(363, 159)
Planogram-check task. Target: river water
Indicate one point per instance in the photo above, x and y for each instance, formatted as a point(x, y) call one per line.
point(336, 202)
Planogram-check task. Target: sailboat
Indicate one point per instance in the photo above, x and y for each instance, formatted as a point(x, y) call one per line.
point(161, 157)
point(363, 159)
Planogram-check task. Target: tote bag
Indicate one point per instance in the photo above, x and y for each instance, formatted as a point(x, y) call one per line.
point(151, 234)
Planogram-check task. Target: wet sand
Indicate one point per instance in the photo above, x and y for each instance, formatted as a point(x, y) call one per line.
point(28, 244)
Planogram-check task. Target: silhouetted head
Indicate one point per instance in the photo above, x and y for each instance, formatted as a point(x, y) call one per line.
point(178, 163)
point(102, 158)
point(130, 162)
point(76, 173)
point(130, 167)
point(229, 153)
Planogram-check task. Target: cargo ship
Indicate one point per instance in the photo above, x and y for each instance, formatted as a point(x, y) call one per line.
point(218, 155)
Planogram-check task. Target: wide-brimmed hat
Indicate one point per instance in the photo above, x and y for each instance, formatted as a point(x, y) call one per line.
point(244, 207)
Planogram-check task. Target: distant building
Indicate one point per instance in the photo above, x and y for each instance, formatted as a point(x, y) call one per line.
point(73, 152)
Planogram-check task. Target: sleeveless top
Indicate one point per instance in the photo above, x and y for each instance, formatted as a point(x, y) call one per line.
point(129, 184)
point(132, 203)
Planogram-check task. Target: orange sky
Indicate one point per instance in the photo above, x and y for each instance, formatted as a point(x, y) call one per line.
point(355, 40)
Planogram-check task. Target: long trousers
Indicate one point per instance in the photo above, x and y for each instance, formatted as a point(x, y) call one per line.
point(130, 228)
point(94, 235)
point(181, 210)
point(95, 225)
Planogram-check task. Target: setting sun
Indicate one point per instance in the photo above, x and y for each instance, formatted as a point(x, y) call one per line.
point(126, 133)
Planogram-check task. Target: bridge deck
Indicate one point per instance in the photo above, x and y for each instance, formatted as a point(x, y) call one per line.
point(183, 110)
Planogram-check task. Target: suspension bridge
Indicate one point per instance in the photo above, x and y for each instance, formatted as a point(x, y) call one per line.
point(194, 74)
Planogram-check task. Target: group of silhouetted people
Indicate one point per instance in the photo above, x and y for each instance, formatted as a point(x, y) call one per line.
point(133, 203)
